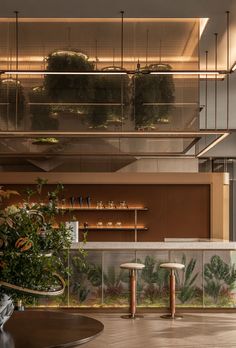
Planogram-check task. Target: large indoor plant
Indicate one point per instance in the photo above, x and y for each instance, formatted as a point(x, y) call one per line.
point(31, 254)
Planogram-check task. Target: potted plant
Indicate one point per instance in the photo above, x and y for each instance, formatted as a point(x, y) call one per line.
point(31, 250)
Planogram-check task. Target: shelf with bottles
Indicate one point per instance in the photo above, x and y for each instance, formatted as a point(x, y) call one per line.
point(93, 208)
point(111, 228)
point(74, 203)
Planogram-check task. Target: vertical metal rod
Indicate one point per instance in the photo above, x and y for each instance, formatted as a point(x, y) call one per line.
point(147, 43)
point(113, 58)
point(102, 277)
point(206, 91)
point(135, 225)
point(17, 66)
point(122, 40)
point(132, 292)
point(203, 290)
point(172, 293)
point(96, 54)
point(122, 66)
point(68, 278)
point(228, 65)
point(216, 66)
point(160, 52)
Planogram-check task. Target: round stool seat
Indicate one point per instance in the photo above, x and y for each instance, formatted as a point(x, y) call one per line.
point(132, 265)
point(172, 265)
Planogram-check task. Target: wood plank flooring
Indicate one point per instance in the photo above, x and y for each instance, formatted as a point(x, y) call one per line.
point(195, 330)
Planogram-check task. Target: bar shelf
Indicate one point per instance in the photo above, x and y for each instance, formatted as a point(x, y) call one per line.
point(113, 228)
point(69, 208)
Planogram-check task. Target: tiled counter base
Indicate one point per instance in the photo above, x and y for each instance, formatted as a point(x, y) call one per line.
point(208, 280)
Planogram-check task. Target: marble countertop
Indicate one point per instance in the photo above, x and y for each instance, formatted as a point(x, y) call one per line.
point(200, 245)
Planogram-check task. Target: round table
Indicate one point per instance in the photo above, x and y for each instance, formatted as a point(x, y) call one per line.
point(44, 329)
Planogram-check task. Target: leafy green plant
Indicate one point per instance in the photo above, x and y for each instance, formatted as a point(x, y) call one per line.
point(113, 282)
point(12, 93)
point(219, 278)
point(155, 280)
point(42, 115)
point(109, 89)
point(32, 249)
point(79, 283)
point(186, 288)
point(153, 89)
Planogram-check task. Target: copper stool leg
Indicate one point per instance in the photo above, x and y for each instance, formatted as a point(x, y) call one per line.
point(132, 314)
point(172, 314)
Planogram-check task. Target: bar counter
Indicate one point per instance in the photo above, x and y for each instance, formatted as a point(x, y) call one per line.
point(208, 279)
point(178, 245)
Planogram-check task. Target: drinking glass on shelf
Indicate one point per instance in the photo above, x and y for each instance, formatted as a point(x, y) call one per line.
point(109, 224)
point(99, 205)
point(123, 205)
point(99, 223)
point(111, 205)
point(118, 224)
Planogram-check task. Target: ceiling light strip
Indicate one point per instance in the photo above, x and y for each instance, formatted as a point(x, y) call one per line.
point(212, 144)
point(130, 72)
point(109, 134)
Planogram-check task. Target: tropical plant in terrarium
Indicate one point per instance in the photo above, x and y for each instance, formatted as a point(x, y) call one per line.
point(185, 281)
point(12, 93)
point(153, 97)
point(220, 278)
point(155, 281)
point(114, 287)
point(79, 285)
point(32, 259)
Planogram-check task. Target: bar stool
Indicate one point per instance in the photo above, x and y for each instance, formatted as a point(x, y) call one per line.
point(172, 266)
point(132, 267)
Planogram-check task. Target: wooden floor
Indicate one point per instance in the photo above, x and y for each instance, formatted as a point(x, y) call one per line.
point(195, 330)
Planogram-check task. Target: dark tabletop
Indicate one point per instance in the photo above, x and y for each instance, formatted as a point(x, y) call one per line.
point(44, 329)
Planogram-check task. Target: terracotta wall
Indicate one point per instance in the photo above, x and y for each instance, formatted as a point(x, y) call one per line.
point(174, 210)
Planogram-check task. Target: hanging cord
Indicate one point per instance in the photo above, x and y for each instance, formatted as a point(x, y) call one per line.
point(122, 66)
point(206, 91)
point(17, 66)
point(216, 84)
point(122, 40)
point(228, 64)
point(147, 46)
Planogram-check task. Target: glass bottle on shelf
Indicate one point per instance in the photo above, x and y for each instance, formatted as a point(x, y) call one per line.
point(80, 201)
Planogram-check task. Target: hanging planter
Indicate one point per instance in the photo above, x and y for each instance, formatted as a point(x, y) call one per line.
point(108, 89)
point(153, 89)
point(12, 93)
point(42, 116)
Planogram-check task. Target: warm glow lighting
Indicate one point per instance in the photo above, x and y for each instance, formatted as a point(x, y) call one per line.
point(202, 25)
point(99, 20)
point(188, 72)
point(213, 144)
point(44, 72)
point(131, 72)
point(233, 67)
point(110, 134)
